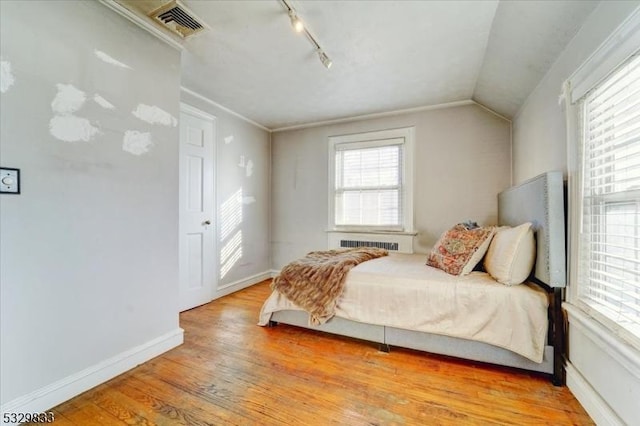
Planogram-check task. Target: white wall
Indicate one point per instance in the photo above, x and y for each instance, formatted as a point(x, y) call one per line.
point(539, 131)
point(604, 381)
point(89, 259)
point(462, 161)
point(236, 138)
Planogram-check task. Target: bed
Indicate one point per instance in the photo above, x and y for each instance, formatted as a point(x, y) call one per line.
point(533, 338)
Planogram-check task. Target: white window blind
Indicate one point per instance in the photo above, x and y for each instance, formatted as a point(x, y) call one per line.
point(609, 259)
point(368, 184)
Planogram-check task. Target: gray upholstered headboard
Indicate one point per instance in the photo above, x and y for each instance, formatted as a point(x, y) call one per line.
point(540, 201)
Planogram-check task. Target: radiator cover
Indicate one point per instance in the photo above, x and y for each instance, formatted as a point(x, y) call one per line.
point(394, 242)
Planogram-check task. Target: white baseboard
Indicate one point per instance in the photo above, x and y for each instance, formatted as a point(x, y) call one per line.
point(593, 404)
point(241, 284)
point(62, 390)
point(275, 273)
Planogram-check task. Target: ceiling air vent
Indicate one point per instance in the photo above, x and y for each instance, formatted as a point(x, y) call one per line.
point(181, 19)
point(178, 19)
point(167, 19)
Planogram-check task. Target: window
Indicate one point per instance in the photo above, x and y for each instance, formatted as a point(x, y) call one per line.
point(370, 181)
point(368, 188)
point(609, 239)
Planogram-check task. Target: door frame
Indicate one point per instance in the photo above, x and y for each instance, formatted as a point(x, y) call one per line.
point(191, 110)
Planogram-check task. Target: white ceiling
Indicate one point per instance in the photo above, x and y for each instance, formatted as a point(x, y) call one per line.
point(387, 55)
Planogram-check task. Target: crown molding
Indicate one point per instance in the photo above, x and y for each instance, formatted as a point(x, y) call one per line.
point(377, 115)
point(489, 110)
point(217, 105)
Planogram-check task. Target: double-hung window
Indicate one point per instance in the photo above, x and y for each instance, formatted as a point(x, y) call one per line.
point(370, 181)
point(608, 262)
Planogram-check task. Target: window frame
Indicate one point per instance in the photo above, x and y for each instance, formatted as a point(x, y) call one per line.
point(595, 237)
point(371, 139)
point(613, 53)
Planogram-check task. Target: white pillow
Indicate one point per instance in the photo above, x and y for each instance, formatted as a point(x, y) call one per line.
point(511, 254)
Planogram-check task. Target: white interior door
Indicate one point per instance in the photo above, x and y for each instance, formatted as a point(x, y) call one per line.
point(197, 226)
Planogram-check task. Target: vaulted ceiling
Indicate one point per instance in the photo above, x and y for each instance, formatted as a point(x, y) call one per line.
point(387, 55)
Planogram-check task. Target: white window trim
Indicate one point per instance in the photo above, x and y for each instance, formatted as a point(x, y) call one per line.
point(615, 50)
point(406, 133)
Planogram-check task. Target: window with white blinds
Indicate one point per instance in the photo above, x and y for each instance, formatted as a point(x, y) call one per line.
point(369, 184)
point(369, 187)
point(609, 256)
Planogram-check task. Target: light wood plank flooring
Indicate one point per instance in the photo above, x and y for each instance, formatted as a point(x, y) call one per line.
point(230, 371)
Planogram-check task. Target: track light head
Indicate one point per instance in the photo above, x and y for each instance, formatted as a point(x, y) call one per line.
point(296, 22)
point(324, 59)
point(299, 27)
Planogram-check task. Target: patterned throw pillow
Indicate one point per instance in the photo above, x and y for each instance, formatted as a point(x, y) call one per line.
point(459, 249)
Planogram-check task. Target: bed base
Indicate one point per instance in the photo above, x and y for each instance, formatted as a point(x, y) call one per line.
point(437, 344)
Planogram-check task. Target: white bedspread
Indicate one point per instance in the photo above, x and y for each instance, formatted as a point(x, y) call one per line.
point(401, 291)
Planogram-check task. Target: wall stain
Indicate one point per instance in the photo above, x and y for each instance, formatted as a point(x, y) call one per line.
point(6, 76)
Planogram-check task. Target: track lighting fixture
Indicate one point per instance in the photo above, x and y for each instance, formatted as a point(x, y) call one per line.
point(299, 27)
point(324, 59)
point(296, 22)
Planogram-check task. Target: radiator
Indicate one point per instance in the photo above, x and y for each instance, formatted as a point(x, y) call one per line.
point(378, 244)
point(401, 243)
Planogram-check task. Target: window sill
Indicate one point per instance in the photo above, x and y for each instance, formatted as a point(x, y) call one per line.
point(371, 231)
point(622, 351)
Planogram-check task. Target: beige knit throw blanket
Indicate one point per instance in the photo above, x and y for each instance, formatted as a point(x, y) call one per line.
point(316, 281)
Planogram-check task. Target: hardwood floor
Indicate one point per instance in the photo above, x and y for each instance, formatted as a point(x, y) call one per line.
point(230, 371)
